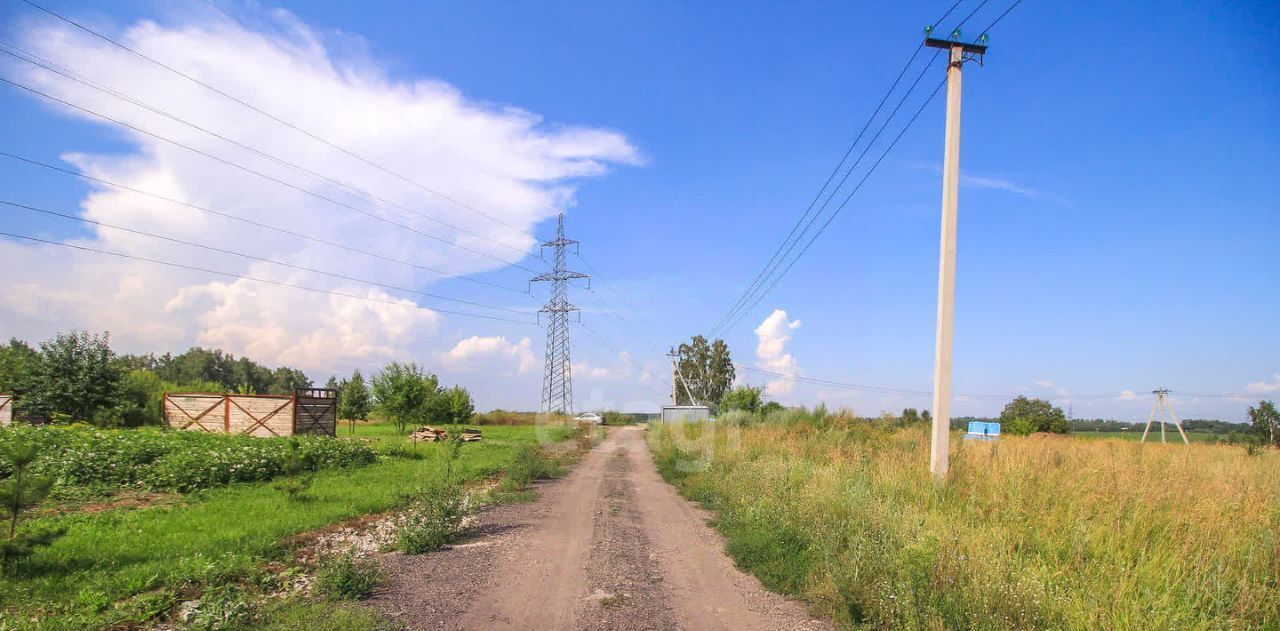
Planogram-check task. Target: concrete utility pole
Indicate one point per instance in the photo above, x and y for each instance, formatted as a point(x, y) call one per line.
point(940, 445)
point(672, 356)
point(1162, 403)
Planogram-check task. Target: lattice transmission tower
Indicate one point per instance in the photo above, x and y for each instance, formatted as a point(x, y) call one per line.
point(557, 380)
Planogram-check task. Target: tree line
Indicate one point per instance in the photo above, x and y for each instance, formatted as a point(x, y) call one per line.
point(78, 377)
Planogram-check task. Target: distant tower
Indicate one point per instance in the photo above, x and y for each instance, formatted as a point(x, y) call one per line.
point(1162, 403)
point(557, 380)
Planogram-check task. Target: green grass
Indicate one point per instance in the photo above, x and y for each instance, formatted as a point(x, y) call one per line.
point(297, 614)
point(125, 565)
point(1037, 532)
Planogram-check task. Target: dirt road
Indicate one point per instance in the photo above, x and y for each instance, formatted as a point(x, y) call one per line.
point(610, 546)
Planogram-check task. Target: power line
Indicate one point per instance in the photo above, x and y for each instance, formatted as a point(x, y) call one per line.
point(49, 66)
point(219, 250)
point(258, 280)
point(598, 337)
point(944, 16)
point(838, 384)
point(775, 260)
point(1220, 396)
point(972, 13)
point(255, 223)
point(788, 243)
point(270, 178)
point(647, 325)
point(976, 397)
point(1006, 12)
point(273, 117)
point(839, 208)
point(763, 276)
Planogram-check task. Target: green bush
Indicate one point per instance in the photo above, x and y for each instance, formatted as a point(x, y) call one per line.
point(153, 459)
point(220, 608)
point(531, 463)
point(735, 418)
point(434, 517)
point(346, 576)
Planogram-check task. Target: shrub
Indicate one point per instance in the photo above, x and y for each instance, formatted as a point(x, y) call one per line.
point(296, 481)
point(736, 418)
point(153, 459)
point(437, 508)
point(746, 398)
point(220, 608)
point(346, 576)
point(1018, 426)
point(19, 492)
point(434, 517)
point(530, 463)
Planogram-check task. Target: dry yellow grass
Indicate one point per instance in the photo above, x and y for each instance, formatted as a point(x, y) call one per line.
point(1035, 532)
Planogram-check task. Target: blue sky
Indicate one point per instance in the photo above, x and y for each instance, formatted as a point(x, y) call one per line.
point(1117, 224)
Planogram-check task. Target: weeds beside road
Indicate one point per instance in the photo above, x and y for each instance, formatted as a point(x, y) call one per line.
point(1036, 532)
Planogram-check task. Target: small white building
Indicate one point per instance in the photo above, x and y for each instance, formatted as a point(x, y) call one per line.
point(685, 413)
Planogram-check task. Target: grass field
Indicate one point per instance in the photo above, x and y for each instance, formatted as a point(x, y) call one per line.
point(122, 566)
point(1039, 532)
point(1171, 435)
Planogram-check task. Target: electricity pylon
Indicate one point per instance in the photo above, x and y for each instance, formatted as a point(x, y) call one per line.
point(557, 378)
point(940, 443)
point(1163, 403)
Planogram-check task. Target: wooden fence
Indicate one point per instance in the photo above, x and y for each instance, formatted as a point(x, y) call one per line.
point(315, 411)
point(307, 411)
point(6, 410)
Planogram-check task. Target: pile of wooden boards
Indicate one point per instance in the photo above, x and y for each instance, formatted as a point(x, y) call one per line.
point(430, 434)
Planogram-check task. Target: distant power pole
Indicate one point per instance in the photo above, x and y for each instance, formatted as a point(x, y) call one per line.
point(677, 373)
point(1163, 403)
point(672, 356)
point(557, 380)
point(940, 444)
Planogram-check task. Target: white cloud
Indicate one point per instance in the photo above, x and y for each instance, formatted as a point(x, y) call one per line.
point(1128, 395)
point(475, 352)
point(999, 184)
point(501, 159)
point(771, 354)
point(621, 370)
point(1262, 387)
point(1044, 383)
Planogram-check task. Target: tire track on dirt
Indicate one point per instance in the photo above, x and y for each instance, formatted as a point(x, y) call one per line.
point(610, 546)
point(707, 590)
point(627, 589)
